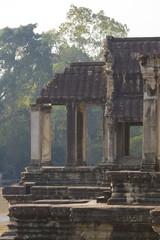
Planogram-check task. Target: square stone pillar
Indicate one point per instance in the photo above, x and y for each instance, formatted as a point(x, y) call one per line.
point(149, 68)
point(81, 134)
point(105, 138)
point(112, 153)
point(127, 139)
point(46, 136)
point(71, 134)
point(149, 133)
point(158, 122)
point(36, 120)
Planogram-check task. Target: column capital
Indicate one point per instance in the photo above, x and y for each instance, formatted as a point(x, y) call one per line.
point(82, 107)
point(46, 108)
point(70, 104)
point(36, 107)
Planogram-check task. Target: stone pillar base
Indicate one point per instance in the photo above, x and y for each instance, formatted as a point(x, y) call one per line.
point(47, 163)
point(134, 187)
point(149, 162)
point(34, 166)
point(133, 232)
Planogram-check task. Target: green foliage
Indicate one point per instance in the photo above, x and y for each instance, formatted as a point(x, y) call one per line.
point(25, 65)
point(59, 135)
point(66, 55)
point(87, 30)
point(135, 131)
point(136, 141)
point(17, 149)
point(94, 135)
point(23, 56)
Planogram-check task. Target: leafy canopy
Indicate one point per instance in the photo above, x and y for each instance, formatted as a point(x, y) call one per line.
point(87, 30)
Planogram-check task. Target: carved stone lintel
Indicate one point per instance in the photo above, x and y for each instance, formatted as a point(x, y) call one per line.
point(35, 107)
point(47, 108)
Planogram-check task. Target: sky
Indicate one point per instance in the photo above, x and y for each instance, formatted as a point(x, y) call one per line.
point(141, 16)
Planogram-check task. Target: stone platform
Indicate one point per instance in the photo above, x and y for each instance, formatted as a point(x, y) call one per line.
point(132, 212)
point(59, 183)
point(82, 221)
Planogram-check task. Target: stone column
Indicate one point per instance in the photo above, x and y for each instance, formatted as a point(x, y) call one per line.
point(36, 119)
point(81, 134)
point(148, 64)
point(111, 141)
point(46, 136)
point(158, 122)
point(127, 138)
point(71, 134)
point(149, 133)
point(105, 138)
point(120, 139)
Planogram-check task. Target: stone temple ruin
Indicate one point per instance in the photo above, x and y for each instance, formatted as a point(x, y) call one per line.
point(119, 198)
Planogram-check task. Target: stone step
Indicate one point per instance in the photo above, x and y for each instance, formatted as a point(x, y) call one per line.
point(67, 192)
point(62, 201)
point(105, 197)
point(59, 192)
point(101, 199)
point(7, 238)
point(66, 176)
point(9, 233)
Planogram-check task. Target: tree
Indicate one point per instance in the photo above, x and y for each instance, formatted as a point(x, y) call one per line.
point(94, 135)
point(81, 37)
point(87, 30)
point(63, 53)
point(136, 141)
point(25, 65)
point(59, 119)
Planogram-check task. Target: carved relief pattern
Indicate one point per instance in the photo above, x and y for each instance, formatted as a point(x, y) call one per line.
point(109, 108)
